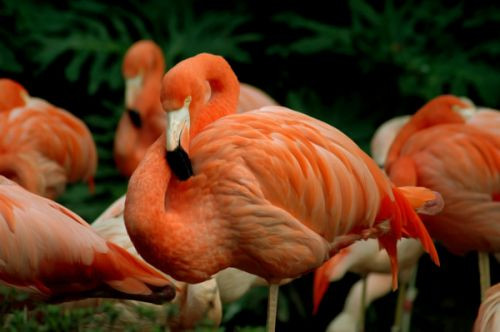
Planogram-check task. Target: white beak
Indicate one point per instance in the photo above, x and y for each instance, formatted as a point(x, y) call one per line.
point(177, 122)
point(132, 87)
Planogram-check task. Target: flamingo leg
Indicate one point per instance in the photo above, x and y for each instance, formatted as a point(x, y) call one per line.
point(411, 293)
point(396, 327)
point(484, 272)
point(272, 307)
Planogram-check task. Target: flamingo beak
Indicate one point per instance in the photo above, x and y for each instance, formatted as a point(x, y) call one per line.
point(132, 88)
point(467, 110)
point(177, 132)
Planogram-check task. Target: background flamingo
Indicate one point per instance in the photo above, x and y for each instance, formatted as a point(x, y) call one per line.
point(255, 212)
point(49, 251)
point(460, 160)
point(43, 147)
point(144, 121)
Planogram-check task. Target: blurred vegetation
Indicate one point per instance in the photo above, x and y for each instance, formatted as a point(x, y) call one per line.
point(350, 63)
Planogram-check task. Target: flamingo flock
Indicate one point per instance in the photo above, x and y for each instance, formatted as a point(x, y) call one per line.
point(228, 190)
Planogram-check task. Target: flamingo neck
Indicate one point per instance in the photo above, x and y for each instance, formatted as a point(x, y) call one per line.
point(436, 112)
point(221, 92)
point(151, 87)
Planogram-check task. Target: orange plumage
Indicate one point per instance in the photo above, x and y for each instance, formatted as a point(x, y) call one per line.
point(274, 192)
point(43, 147)
point(439, 150)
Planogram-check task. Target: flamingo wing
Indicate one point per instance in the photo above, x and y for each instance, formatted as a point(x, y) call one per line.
point(49, 250)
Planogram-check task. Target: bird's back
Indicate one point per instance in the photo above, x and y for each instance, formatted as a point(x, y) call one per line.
point(296, 162)
point(461, 162)
point(288, 180)
point(52, 132)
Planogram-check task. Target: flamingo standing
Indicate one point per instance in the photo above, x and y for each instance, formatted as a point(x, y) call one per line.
point(144, 121)
point(438, 149)
point(488, 317)
point(272, 192)
point(43, 147)
point(49, 251)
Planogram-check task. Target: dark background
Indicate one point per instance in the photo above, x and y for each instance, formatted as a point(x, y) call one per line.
point(353, 64)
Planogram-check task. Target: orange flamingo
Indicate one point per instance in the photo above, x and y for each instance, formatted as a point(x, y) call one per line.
point(488, 317)
point(43, 147)
point(49, 251)
point(439, 150)
point(272, 192)
point(144, 120)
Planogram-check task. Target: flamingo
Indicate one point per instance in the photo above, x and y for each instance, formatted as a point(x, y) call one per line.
point(272, 192)
point(439, 149)
point(43, 147)
point(50, 252)
point(488, 317)
point(143, 121)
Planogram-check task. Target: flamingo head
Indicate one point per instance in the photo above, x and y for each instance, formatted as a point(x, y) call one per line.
point(12, 94)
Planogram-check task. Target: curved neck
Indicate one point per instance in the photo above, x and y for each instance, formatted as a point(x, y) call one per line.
point(221, 91)
point(149, 98)
point(437, 112)
point(165, 223)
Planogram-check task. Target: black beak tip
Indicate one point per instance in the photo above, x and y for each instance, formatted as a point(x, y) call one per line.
point(179, 163)
point(135, 117)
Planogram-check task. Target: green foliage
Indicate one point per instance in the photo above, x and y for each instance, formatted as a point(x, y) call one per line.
point(419, 39)
point(92, 36)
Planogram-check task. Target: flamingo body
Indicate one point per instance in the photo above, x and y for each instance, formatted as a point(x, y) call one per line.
point(272, 188)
